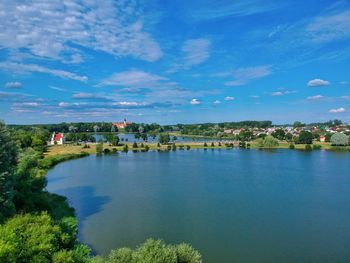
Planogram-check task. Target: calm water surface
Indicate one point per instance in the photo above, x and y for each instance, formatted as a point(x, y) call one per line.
point(232, 205)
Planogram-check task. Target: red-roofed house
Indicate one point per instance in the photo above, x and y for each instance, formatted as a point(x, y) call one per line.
point(122, 125)
point(57, 138)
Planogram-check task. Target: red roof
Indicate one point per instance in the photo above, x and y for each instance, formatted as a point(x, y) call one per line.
point(58, 136)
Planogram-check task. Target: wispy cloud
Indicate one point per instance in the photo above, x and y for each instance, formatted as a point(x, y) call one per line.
point(316, 97)
point(209, 10)
point(58, 88)
point(91, 96)
point(196, 51)
point(132, 78)
point(9, 96)
point(338, 110)
point(330, 27)
point(30, 68)
point(243, 75)
point(216, 102)
point(13, 85)
point(318, 83)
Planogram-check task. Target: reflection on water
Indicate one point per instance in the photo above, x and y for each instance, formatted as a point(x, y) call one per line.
point(233, 205)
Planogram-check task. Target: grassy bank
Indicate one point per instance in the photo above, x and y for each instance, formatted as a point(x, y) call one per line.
point(59, 153)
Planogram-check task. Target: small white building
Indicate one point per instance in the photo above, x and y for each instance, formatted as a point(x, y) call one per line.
point(57, 138)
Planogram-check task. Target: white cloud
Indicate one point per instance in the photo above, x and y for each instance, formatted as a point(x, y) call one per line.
point(318, 83)
point(243, 75)
point(338, 110)
point(316, 97)
point(229, 98)
point(132, 78)
point(47, 28)
point(277, 93)
point(196, 51)
point(217, 102)
point(343, 83)
point(346, 97)
point(128, 103)
point(255, 97)
point(283, 92)
point(23, 68)
point(195, 102)
point(13, 85)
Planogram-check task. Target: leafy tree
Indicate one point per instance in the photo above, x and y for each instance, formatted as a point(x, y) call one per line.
point(305, 137)
point(144, 137)
point(36, 238)
point(289, 136)
point(155, 251)
point(245, 135)
point(308, 147)
point(112, 139)
point(8, 160)
point(121, 255)
point(99, 148)
point(279, 134)
point(339, 139)
point(186, 254)
point(125, 148)
point(30, 180)
point(134, 145)
point(268, 142)
point(152, 251)
point(328, 136)
point(297, 124)
point(164, 138)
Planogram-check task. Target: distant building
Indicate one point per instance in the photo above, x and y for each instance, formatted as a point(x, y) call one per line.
point(57, 138)
point(122, 125)
point(322, 138)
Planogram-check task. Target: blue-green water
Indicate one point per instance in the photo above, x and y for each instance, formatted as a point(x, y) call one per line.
point(232, 205)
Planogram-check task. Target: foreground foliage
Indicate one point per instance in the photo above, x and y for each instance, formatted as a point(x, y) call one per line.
point(152, 251)
point(36, 238)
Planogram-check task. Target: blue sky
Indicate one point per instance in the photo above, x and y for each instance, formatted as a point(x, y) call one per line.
point(174, 61)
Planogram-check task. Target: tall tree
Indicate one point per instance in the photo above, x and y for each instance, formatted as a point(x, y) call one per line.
point(8, 160)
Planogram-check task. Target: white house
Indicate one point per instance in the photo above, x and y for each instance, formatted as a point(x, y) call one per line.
point(57, 138)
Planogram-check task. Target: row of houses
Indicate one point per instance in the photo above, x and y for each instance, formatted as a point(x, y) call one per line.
point(292, 130)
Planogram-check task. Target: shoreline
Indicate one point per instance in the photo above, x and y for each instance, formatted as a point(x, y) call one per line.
point(60, 153)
